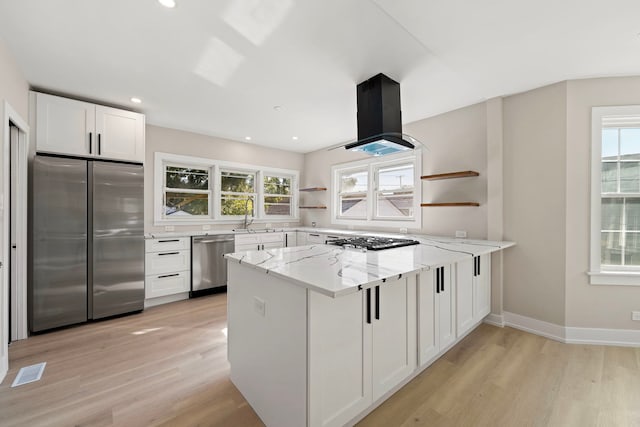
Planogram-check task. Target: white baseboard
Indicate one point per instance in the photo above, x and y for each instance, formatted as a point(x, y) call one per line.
point(495, 320)
point(567, 334)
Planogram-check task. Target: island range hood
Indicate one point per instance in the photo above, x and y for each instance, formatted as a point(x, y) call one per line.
point(380, 118)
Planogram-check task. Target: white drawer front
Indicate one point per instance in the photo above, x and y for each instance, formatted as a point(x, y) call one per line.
point(167, 284)
point(315, 238)
point(168, 244)
point(247, 239)
point(167, 262)
point(246, 247)
point(272, 238)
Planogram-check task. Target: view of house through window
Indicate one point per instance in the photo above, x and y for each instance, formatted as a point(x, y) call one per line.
point(620, 193)
point(379, 190)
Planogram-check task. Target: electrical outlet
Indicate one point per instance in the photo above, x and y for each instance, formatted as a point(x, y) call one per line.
point(286, 225)
point(169, 228)
point(259, 306)
point(313, 223)
point(268, 225)
point(635, 315)
point(403, 230)
point(206, 227)
point(461, 234)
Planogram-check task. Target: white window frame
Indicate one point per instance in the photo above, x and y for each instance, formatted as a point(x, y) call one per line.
point(254, 195)
point(372, 165)
point(292, 195)
point(604, 274)
point(215, 166)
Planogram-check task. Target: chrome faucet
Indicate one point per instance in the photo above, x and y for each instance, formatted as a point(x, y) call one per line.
point(247, 222)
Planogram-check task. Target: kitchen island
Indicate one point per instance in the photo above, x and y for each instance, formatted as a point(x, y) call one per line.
point(320, 335)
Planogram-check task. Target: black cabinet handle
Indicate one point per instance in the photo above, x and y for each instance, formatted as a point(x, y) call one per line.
point(377, 302)
point(438, 280)
point(478, 265)
point(368, 305)
point(441, 279)
point(90, 141)
point(99, 148)
point(168, 241)
point(168, 275)
point(169, 253)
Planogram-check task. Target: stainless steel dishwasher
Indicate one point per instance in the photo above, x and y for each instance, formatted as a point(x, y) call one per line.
point(208, 266)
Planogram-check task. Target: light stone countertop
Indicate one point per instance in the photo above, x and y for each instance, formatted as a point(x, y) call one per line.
point(337, 271)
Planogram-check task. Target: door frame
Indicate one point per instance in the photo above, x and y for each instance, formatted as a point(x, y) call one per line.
point(11, 116)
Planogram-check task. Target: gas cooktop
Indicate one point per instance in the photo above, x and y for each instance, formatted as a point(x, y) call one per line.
point(372, 243)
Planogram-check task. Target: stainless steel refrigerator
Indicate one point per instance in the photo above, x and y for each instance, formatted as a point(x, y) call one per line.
point(88, 241)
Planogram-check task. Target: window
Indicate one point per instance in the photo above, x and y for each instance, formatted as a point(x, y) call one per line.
point(192, 190)
point(352, 195)
point(277, 195)
point(238, 192)
point(186, 191)
point(377, 191)
point(615, 198)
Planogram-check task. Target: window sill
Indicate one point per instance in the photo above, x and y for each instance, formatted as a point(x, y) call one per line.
point(623, 278)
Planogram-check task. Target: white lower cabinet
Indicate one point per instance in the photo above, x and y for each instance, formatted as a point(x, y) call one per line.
point(474, 291)
point(360, 347)
point(436, 313)
point(167, 269)
point(258, 241)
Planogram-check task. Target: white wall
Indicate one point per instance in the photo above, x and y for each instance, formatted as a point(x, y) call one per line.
point(14, 89)
point(159, 139)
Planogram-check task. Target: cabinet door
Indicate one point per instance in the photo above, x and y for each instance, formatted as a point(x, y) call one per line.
point(446, 309)
point(428, 317)
point(315, 238)
point(301, 238)
point(167, 284)
point(394, 333)
point(64, 126)
point(465, 309)
point(482, 288)
point(291, 239)
point(120, 134)
point(339, 354)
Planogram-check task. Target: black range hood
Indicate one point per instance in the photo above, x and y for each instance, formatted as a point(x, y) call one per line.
point(380, 118)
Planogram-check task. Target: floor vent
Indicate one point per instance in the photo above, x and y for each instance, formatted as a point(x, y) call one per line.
point(29, 374)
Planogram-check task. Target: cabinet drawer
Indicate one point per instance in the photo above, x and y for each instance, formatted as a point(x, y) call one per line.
point(167, 284)
point(168, 244)
point(272, 238)
point(247, 239)
point(246, 247)
point(167, 262)
point(315, 238)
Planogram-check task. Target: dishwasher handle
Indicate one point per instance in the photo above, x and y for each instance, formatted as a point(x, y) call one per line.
point(213, 240)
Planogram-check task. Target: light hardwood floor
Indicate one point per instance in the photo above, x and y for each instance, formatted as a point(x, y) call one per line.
point(167, 366)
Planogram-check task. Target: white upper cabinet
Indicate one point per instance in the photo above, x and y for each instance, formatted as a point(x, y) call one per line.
point(67, 126)
point(120, 134)
point(64, 126)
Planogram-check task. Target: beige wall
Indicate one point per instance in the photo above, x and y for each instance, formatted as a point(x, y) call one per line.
point(13, 87)
point(588, 305)
point(166, 140)
point(534, 126)
point(456, 141)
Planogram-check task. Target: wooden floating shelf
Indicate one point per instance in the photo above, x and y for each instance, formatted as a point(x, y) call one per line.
point(314, 189)
point(449, 175)
point(425, 205)
point(312, 207)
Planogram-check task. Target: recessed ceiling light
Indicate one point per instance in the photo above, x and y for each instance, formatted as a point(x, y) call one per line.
point(277, 108)
point(167, 3)
point(248, 138)
point(136, 100)
point(295, 138)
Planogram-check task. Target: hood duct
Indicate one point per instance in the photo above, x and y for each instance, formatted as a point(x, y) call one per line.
point(380, 118)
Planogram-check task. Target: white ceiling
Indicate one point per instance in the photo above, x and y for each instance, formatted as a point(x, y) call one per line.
point(220, 67)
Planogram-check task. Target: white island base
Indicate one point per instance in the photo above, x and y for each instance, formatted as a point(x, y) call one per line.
point(302, 358)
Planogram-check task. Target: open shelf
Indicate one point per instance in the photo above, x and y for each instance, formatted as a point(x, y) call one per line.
point(449, 175)
point(314, 189)
point(425, 205)
point(312, 207)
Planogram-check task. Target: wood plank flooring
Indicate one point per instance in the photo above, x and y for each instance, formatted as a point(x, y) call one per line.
point(167, 367)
